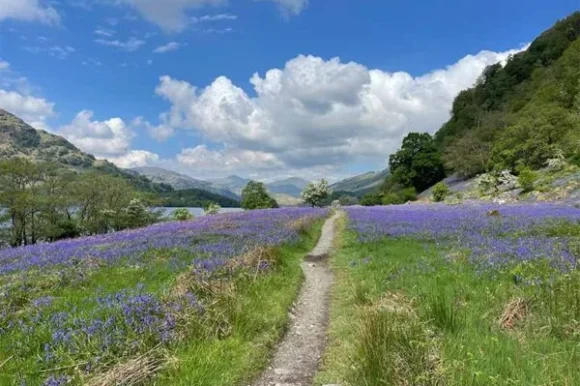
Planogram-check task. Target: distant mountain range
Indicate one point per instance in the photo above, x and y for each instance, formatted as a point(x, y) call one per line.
point(287, 190)
point(361, 184)
point(182, 182)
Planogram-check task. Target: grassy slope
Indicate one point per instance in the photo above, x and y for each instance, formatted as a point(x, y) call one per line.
point(401, 315)
point(261, 315)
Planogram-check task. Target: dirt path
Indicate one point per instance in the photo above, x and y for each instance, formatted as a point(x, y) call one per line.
point(296, 359)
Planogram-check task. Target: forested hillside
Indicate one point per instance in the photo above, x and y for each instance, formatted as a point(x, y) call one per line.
point(520, 114)
point(517, 117)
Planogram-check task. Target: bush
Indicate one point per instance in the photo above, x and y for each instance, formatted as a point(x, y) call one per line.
point(440, 192)
point(527, 179)
point(212, 209)
point(181, 214)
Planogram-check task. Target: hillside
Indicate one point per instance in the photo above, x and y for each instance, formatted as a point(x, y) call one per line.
point(196, 198)
point(181, 181)
point(18, 139)
point(523, 113)
point(292, 187)
point(361, 184)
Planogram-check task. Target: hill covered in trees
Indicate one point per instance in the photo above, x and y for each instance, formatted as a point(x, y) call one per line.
point(516, 118)
point(197, 198)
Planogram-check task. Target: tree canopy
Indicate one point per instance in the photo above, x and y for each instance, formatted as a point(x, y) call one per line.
point(255, 196)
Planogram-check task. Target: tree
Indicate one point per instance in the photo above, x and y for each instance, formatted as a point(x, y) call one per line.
point(316, 192)
point(418, 163)
point(255, 196)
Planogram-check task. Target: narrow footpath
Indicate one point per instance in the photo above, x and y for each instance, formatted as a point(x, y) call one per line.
point(296, 359)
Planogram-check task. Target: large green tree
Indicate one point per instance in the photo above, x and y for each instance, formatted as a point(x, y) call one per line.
point(255, 196)
point(418, 164)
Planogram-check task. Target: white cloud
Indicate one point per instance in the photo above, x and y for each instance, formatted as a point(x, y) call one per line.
point(212, 18)
point(110, 139)
point(101, 138)
point(170, 15)
point(29, 10)
point(4, 65)
point(317, 113)
point(132, 44)
point(160, 133)
point(34, 111)
point(104, 32)
point(226, 160)
point(171, 46)
point(134, 159)
point(290, 7)
point(59, 52)
point(92, 62)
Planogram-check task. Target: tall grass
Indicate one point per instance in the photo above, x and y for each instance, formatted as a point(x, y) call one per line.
point(462, 325)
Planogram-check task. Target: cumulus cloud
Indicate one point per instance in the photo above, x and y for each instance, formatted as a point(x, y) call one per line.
point(109, 139)
point(226, 160)
point(134, 159)
point(101, 138)
point(33, 110)
point(160, 133)
point(29, 10)
point(132, 44)
point(171, 46)
point(4, 65)
point(318, 113)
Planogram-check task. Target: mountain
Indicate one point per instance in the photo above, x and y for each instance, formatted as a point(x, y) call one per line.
point(18, 139)
point(361, 184)
point(182, 182)
point(232, 183)
point(292, 187)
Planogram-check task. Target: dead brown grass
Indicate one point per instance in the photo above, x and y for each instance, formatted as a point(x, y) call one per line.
point(514, 313)
point(134, 372)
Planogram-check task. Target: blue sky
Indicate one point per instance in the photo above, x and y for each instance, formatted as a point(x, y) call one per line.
point(265, 89)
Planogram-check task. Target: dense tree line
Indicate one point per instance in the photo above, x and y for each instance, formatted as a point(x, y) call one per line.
point(45, 202)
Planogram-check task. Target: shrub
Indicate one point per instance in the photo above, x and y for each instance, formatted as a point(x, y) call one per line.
point(181, 214)
point(440, 192)
point(212, 208)
point(527, 179)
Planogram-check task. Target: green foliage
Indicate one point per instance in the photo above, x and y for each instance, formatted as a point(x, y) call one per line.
point(371, 199)
point(440, 192)
point(45, 202)
point(212, 208)
point(315, 193)
point(519, 114)
point(418, 163)
point(195, 198)
point(527, 179)
point(181, 214)
point(399, 196)
point(255, 196)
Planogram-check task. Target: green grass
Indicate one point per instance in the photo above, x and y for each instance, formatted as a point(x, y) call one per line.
point(254, 314)
point(261, 315)
point(401, 314)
